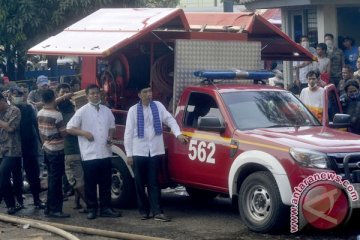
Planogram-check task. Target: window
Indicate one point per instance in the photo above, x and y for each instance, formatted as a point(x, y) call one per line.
point(200, 105)
point(304, 22)
point(267, 109)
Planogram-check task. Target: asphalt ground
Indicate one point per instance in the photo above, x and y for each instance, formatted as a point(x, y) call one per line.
point(215, 219)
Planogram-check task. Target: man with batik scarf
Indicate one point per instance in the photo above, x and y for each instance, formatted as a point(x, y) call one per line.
point(144, 147)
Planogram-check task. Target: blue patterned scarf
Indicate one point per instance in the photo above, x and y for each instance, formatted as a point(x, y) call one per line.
point(140, 119)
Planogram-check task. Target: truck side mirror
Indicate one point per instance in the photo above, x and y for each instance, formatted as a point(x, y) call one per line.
point(211, 124)
point(341, 121)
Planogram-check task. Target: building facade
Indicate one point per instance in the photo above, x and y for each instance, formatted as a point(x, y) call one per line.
point(314, 18)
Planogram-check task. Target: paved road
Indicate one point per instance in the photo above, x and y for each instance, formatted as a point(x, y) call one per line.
point(215, 219)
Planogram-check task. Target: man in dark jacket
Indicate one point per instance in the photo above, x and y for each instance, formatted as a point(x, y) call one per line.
point(29, 134)
point(350, 101)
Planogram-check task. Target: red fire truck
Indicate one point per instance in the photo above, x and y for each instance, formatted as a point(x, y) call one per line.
point(251, 142)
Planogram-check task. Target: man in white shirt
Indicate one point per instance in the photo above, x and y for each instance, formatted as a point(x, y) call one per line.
point(313, 95)
point(144, 145)
point(94, 124)
point(303, 67)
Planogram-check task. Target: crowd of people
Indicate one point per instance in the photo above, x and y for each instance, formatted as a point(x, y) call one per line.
point(41, 116)
point(77, 144)
point(340, 67)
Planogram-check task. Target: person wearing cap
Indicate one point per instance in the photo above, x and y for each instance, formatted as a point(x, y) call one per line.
point(350, 102)
point(94, 124)
point(10, 150)
point(144, 146)
point(29, 134)
point(35, 96)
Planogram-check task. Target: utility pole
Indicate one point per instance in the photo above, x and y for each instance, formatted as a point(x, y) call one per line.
point(228, 5)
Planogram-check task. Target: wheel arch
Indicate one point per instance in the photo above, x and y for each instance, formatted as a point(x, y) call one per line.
point(119, 152)
point(253, 161)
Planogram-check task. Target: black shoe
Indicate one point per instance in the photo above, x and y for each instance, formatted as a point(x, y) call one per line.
point(58, 215)
point(145, 217)
point(91, 215)
point(162, 217)
point(108, 212)
point(78, 206)
point(83, 210)
point(39, 205)
point(19, 206)
point(11, 211)
point(70, 193)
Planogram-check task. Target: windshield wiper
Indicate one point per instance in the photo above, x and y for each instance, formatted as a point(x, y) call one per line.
point(281, 125)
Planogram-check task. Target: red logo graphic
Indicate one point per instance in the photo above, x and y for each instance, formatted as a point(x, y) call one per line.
point(325, 206)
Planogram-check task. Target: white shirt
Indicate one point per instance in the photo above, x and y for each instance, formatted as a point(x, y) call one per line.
point(322, 64)
point(150, 144)
point(98, 123)
point(304, 70)
point(314, 101)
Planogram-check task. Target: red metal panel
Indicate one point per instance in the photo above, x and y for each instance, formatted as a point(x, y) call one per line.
point(220, 19)
point(88, 72)
point(276, 44)
point(279, 42)
point(107, 30)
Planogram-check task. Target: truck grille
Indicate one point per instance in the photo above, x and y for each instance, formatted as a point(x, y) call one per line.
point(336, 162)
point(350, 173)
point(356, 204)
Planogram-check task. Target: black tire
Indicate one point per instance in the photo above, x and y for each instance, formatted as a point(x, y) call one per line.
point(260, 205)
point(200, 194)
point(122, 185)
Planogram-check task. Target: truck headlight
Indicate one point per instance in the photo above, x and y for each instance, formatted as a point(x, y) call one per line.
point(309, 158)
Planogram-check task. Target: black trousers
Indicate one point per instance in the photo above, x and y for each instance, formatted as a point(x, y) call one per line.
point(8, 166)
point(146, 174)
point(17, 178)
point(97, 172)
point(32, 170)
point(56, 169)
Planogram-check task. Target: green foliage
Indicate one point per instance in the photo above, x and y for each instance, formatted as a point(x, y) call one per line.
point(162, 3)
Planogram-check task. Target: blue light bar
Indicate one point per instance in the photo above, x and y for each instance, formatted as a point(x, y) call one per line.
point(256, 75)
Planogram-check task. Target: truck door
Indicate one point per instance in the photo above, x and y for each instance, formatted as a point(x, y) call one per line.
point(332, 104)
point(207, 160)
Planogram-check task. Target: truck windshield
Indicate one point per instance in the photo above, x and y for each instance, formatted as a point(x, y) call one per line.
point(267, 109)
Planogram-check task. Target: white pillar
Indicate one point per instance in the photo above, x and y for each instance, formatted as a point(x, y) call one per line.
point(327, 21)
point(287, 66)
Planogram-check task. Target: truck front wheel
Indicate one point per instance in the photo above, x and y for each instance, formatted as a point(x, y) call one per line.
point(260, 203)
point(122, 184)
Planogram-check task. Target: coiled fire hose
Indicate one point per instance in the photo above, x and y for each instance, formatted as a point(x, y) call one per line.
point(36, 224)
point(59, 229)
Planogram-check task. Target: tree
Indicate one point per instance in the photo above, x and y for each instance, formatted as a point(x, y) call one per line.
point(162, 3)
point(26, 22)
